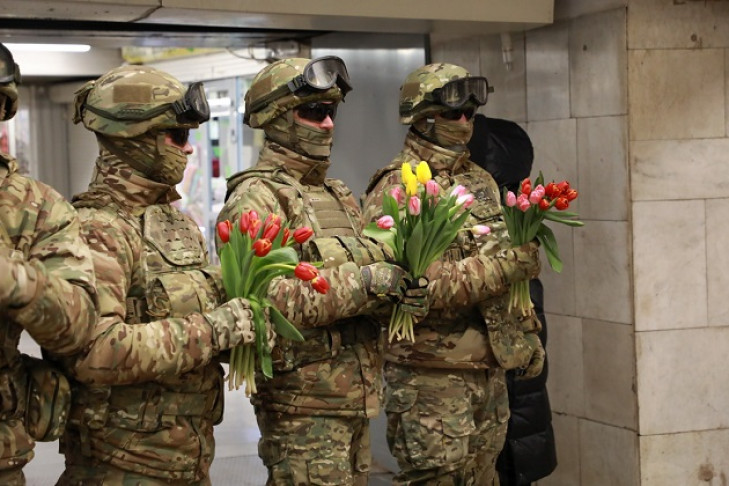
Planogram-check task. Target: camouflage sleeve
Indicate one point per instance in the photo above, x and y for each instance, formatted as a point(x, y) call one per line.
point(62, 312)
point(122, 353)
point(372, 200)
point(305, 308)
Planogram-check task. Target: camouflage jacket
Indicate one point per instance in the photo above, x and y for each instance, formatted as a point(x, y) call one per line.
point(336, 371)
point(38, 226)
point(467, 289)
point(148, 387)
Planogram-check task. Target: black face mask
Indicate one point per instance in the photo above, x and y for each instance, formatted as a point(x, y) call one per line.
point(317, 112)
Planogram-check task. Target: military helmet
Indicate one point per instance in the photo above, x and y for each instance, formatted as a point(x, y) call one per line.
point(9, 80)
point(131, 100)
point(436, 88)
point(291, 82)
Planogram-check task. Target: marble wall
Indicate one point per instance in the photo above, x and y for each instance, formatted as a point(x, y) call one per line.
point(629, 101)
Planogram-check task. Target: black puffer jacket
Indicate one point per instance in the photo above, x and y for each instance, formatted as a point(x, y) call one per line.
point(504, 150)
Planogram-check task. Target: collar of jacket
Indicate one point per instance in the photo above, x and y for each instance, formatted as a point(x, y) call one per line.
point(437, 157)
point(8, 165)
point(306, 170)
point(113, 177)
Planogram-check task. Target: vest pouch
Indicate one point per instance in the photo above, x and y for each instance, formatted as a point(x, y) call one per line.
point(178, 294)
point(49, 400)
point(510, 348)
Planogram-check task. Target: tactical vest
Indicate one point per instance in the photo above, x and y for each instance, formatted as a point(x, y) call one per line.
point(173, 280)
point(334, 215)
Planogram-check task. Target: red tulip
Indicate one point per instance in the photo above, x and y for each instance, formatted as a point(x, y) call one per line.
point(303, 234)
point(224, 228)
point(571, 194)
point(244, 223)
point(285, 237)
point(320, 284)
point(271, 232)
point(551, 191)
point(543, 204)
point(254, 227)
point(563, 187)
point(262, 247)
point(306, 271)
point(562, 203)
point(526, 186)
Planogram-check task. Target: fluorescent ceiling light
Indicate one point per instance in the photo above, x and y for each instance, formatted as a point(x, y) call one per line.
point(48, 47)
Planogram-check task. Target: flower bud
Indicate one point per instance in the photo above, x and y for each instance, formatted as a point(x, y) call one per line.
point(458, 191)
point(480, 230)
point(271, 232)
point(510, 199)
point(432, 188)
point(562, 203)
point(571, 194)
point(253, 228)
point(285, 237)
point(224, 228)
point(543, 204)
point(244, 223)
point(414, 205)
point(385, 222)
point(398, 194)
point(306, 271)
point(320, 284)
point(423, 172)
point(466, 200)
point(302, 234)
point(522, 202)
point(262, 247)
point(526, 186)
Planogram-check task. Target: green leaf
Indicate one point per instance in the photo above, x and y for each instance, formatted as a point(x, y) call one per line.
point(389, 207)
point(230, 271)
point(546, 238)
point(414, 248)
point(282, 326)
point(381, 235)
point(260, 328)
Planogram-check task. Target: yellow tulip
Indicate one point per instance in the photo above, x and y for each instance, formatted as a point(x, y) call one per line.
point(411, 185)
point(406, 171)
point(423, 172)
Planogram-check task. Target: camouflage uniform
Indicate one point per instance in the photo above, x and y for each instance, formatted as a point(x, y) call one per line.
point(39, 245)
point(446, 399)
point(149, 387)
point(314, 413)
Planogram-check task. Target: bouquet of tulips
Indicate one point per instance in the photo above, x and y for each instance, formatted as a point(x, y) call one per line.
point(254, 252)
point(524, 215)
point(419, 223)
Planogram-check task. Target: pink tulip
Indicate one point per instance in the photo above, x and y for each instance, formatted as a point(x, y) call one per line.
point(458, 191)
point(414, 205)
point(537, 194)
point(385, 222)
point(510, 199)
point(432, 188)
point(465, 200)
point(522, 202)
point(398, 194)
point(480, 230)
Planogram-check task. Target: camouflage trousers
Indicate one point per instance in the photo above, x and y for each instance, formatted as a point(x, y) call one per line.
point(16, 450)
point(445, 427)
point(107, 475)
point(300, 450)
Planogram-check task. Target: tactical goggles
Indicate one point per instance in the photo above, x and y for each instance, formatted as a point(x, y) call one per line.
point(193, 107)
point(457, 114)
point(179, 136)
point(456, 93)
point(319, 74)
point(317, 112)
point(9, 71)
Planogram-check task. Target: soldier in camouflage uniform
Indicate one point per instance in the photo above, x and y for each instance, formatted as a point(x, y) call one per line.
point(446, 400)
point(314, 413)
point(46, 285)
point(149, 386)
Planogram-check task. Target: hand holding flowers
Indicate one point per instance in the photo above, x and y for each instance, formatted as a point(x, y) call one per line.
point(253, 254)
point(524, 215)
point(419, 223)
